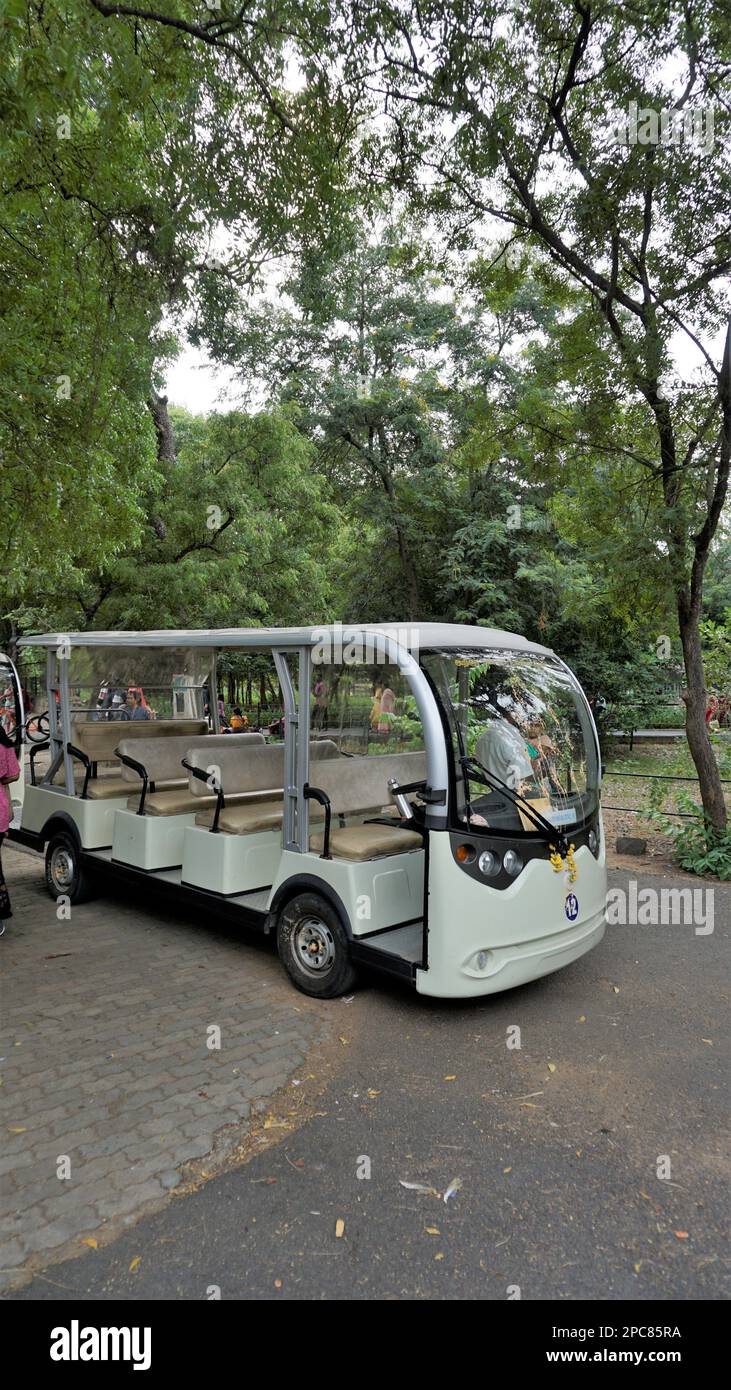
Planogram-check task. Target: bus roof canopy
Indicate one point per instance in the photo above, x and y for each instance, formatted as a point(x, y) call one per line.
point(409, 636)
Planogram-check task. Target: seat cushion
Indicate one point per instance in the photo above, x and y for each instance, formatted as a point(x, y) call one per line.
point(104, 788)
point(176, 801)
point(245, 818)
point(368, 841)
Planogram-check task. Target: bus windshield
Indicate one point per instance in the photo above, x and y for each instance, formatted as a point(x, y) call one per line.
point(521, 740)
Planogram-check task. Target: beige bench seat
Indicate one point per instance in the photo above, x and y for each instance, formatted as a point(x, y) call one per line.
point(170, 801)
point(106, 786)
point(361, 842)
point(251, 779)
point(98, 740)
point(244, 818)
point(162, 759)
point(356, 787)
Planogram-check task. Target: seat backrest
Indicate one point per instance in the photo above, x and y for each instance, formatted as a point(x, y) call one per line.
point(361, 784)
point(162, 758)
point(238, 769)
point(98, 738)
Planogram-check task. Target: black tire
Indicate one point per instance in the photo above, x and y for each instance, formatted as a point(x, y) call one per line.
point(65, 875)
point(313, 947)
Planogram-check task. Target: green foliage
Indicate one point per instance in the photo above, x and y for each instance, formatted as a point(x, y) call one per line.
point(697, 845)
point(232, 536)
point(716, 639)
point(128, 143)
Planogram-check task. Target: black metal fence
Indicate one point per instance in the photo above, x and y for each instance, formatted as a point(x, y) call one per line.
point(655, 777)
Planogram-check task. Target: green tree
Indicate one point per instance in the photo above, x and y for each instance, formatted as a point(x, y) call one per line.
point(232, 536)
point(508, 114)
point(146, 167)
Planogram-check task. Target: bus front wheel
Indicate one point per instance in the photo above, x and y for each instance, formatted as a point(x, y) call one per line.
point(313, 947)
point(65, 877)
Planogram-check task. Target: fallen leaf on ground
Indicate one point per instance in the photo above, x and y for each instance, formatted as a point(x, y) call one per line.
point(17, 1129)
point(90, 1241)
point(431, 1230)
point(440, 1256)
point(339, 1228)
point(453, 1189)
point(345, 1041)
point(551, 1066)
point(450, 1078)
point(134, 1263)
point(419, 1187)
point(582, 1019)
point(682, 1235)
point(277, 1283)
point(507, 1170)
point(372, 1093)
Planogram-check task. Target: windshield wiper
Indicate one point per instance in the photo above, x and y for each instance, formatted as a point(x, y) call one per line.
point(480, 774)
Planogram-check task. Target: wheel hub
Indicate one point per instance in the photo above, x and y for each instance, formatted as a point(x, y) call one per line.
point(62, 868)
point(314, 945)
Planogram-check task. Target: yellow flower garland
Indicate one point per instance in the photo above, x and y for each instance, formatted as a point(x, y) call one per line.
point(558, 863)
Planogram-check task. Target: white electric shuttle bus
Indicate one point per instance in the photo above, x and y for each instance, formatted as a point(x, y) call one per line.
point(432, 810)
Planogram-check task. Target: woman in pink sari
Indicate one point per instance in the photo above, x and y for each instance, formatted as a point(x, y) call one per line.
point(9, 772)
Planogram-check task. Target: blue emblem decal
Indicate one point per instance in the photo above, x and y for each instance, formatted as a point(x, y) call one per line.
point(572, 907)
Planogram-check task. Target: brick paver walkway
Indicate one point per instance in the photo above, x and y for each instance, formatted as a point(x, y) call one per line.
point(107, 1071)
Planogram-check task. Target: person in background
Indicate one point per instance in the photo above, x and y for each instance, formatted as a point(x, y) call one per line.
point(134, 708)
point(376, 707)
point(322, 695)
point(388, 706)
point(239, 721)
point(9, 772)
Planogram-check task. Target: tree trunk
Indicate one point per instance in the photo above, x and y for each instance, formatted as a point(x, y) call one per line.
point(158, 408)
point(696, 699)
point(407, 564)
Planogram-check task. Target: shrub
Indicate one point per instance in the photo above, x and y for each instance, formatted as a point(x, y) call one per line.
point(698, 847)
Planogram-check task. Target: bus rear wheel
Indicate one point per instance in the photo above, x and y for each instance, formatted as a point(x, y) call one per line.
point(313, 947)
point(65, 877)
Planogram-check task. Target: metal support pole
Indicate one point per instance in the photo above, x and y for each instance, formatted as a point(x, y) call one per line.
point(62, 667)
point(213, 697)
point(54, 731)
point(289, 816)
point(303, 748)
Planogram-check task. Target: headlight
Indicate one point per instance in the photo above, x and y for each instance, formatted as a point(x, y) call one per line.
point(488, 863)
point(512, 862)
point(593, 842)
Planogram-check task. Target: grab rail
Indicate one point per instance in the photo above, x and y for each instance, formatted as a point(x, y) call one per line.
point(82, 757)
point(203, 776)
point(315, 794)
point(141, 771)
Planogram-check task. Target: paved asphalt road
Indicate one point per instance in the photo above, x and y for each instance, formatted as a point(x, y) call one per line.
point(623, 1059)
